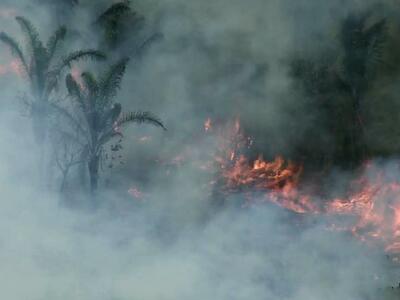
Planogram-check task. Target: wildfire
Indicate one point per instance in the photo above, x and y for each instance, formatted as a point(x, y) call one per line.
point(207, 125)
point(373, 204)
point(277, 180)
point(376, 207)
point(371, 209)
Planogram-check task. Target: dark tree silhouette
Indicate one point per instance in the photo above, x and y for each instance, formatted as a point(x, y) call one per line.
point(120, 25)
point(96, 117)
point(337, 90)
point(42, 70)
point(363, 52)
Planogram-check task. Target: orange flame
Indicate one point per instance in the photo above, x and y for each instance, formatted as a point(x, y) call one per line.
point(207, 125)
point(376, 208)
point(372, 206)
point(375, 205)
point(278, 178)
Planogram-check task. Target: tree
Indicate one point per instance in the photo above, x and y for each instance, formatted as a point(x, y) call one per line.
point(96, 117)
point(66, 157)
point(122, 26)
point(363, 52)
point(41, 69)
point(336, 87)
point(112, 19)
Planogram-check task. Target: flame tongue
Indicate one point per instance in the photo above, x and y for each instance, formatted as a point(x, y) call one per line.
point(371, 209)
point(277, 179)
point(374, 204)
point(376, 207)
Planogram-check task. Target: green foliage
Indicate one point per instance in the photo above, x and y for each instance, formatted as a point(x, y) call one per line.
point(42, 72)
point(140, 118)
point(114, 12)
point(80, 55)
point(57, 37)
point(38, 63)
point(112, 21)
point(363, 50)
point(15, 49)
point(99, 118)
point(110, 82)
point(336, 87)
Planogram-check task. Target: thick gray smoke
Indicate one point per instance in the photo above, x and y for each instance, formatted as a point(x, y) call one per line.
point(218, 59)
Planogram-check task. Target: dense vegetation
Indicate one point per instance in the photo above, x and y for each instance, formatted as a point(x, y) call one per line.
point(91, 118)
point(348, 91)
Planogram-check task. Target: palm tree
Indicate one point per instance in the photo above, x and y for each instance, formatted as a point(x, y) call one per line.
point(41, 71)
point(112, 19)
point(363, 52)
point(96, 118)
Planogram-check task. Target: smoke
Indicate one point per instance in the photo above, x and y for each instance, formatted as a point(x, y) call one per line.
point(50, 252)
point(218, 59)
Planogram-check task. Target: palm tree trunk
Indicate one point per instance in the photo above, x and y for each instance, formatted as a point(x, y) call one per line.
point(93, 167)
point(39, 128)
point(358, 131)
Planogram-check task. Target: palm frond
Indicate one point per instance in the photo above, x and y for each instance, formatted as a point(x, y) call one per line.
point(15, 49)
point(90, 83)
point(36, 45)
point(74, 90)
point(376, 35)
point(111, 80)
point(115, 11)
point(140, 118)
point(105, 138)
point(110, 116)
point(148, 42)
point(30, 31)
point(80, 55)
point(55, 39)
point(39, 58)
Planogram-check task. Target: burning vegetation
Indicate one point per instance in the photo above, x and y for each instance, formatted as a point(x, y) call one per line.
point(369, 209)
point(372, 204)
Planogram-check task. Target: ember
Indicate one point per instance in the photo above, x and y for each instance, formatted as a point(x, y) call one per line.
point(376, 208)
point(135, 193)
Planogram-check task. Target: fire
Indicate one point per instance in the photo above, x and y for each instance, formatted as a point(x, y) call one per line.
point(278, 180)
point(376, 207)
point(207, 125)
point(373, 204)
point(370, 210)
